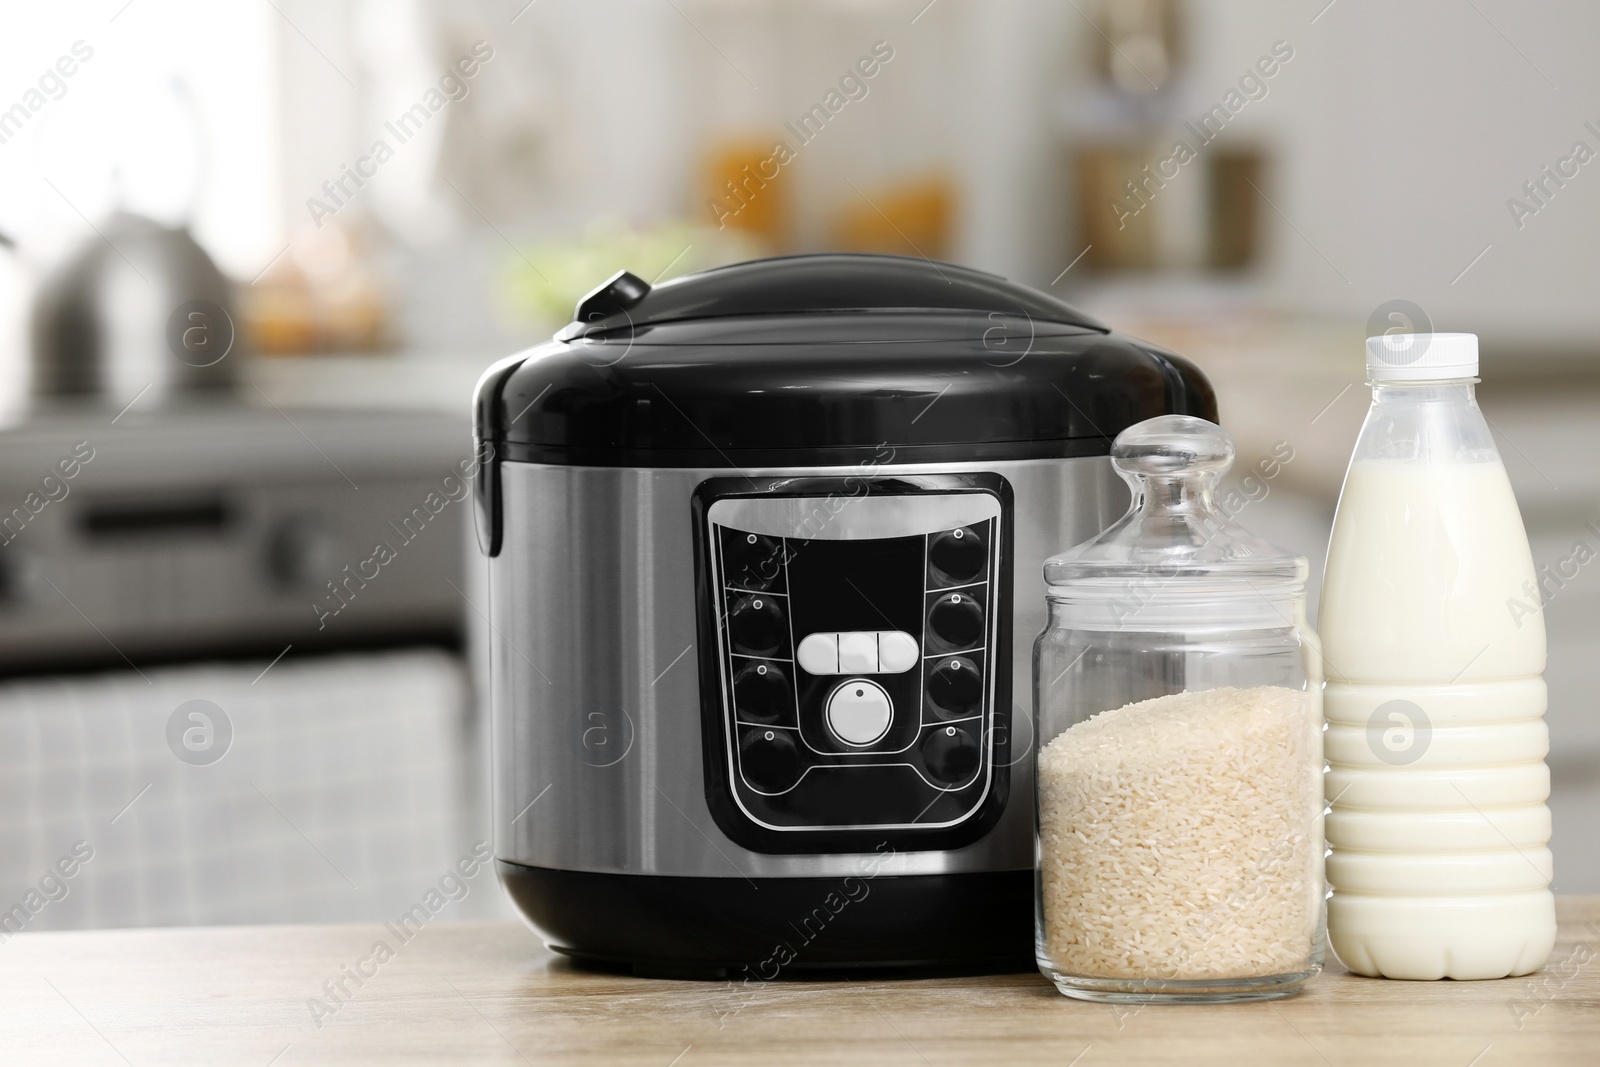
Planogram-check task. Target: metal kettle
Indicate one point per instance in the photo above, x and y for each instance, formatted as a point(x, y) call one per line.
point(141, 310)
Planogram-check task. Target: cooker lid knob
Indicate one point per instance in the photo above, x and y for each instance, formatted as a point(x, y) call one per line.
point(619, 293)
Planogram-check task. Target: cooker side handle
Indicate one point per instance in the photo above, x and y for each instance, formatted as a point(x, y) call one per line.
point(487, 436)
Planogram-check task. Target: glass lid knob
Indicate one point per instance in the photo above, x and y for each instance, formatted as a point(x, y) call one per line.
point(1172, 445)
point(1178, 539)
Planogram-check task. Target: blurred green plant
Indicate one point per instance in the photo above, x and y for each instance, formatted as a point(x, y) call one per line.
point(541, 283)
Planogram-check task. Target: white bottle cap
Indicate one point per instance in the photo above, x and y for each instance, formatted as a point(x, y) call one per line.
point(1419, 357)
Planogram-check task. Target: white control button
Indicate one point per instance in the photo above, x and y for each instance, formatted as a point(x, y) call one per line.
point(859, 712)
point(819, 654)
point(858, 653)
point(897, 652)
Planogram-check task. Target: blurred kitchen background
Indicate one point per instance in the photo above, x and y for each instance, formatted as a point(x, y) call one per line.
point(256, 252)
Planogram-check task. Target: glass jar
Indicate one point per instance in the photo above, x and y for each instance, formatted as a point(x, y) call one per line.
point(1177, 702)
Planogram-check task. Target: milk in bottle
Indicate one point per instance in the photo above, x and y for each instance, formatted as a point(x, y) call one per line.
point(1435, 698)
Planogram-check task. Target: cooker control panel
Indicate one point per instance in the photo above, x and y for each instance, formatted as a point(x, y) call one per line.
point(854, 655)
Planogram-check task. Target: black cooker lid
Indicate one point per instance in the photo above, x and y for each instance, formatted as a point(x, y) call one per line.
point(817, 284)
point(827, 359)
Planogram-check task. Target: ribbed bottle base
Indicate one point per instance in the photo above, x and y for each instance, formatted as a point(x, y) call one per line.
point(1496, 935)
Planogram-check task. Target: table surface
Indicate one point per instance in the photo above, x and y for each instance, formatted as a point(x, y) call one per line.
point(489, 993)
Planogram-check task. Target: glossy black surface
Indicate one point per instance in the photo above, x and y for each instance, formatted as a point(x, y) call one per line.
point(830, 359)
point(765, 929)
point(955, 621)
point(762, 693)
point(770, 759)
point(956, 557)
point(757, 625)
point(755, 563)
point(951, 753)
point(955, 687)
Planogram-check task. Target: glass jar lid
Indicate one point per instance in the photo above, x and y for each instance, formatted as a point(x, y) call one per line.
point(1176, 560)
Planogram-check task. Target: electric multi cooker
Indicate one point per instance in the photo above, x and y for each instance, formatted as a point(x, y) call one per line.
point(764, 568)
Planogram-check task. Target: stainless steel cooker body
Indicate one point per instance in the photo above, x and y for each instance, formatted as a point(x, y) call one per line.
point(765, 548)
point(598, 664)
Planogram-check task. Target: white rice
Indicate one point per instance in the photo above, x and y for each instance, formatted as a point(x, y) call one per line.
point(1181, 837)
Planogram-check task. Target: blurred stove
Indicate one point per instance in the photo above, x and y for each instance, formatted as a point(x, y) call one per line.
point(228, 530)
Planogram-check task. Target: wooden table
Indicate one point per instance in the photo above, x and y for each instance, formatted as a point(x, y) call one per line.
point(486, 993)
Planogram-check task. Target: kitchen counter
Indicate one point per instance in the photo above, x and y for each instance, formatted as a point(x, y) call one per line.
point(477, 992)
